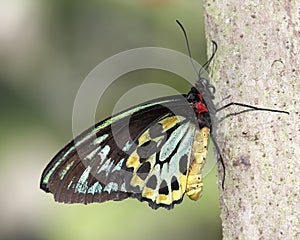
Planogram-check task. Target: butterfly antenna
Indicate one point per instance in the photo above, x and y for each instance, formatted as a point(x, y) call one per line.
point(188, 45)
point(206, 65)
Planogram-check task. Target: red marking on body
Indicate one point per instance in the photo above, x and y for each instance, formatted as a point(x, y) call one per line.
point(200, 106)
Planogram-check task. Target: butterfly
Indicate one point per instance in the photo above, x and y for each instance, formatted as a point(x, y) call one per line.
point(154, 152)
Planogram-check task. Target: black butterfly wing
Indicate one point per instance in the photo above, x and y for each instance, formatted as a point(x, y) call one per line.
point(144, 152)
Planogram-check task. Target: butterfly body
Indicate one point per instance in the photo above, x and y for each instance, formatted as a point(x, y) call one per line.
point(154, 152)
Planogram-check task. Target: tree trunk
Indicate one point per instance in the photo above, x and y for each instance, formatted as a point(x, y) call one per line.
point(258, 63)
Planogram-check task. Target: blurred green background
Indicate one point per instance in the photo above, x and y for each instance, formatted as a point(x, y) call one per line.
point(46, 50)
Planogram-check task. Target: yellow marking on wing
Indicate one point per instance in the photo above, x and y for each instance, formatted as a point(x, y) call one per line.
point(194, 184)
point(158, 198)
point(149, 193)
point(170, 122)
point(182, 182)
point(145, 137)
point(137, 181)
point(176, 194)
point(133, 161)
point(164, 199)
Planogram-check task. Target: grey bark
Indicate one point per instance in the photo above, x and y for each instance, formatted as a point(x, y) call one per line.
point(258, 63)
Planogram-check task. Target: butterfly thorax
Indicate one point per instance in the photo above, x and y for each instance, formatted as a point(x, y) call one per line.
point(200, 108)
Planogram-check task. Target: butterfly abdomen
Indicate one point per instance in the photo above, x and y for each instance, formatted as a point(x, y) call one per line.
point(194, 179)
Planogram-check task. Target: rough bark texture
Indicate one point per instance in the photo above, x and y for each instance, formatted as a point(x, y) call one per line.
point(258, 63)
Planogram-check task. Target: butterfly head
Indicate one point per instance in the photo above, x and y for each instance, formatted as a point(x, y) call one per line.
point(206, 89)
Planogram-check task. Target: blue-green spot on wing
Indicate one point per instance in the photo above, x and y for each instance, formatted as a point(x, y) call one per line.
point(128, 155)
